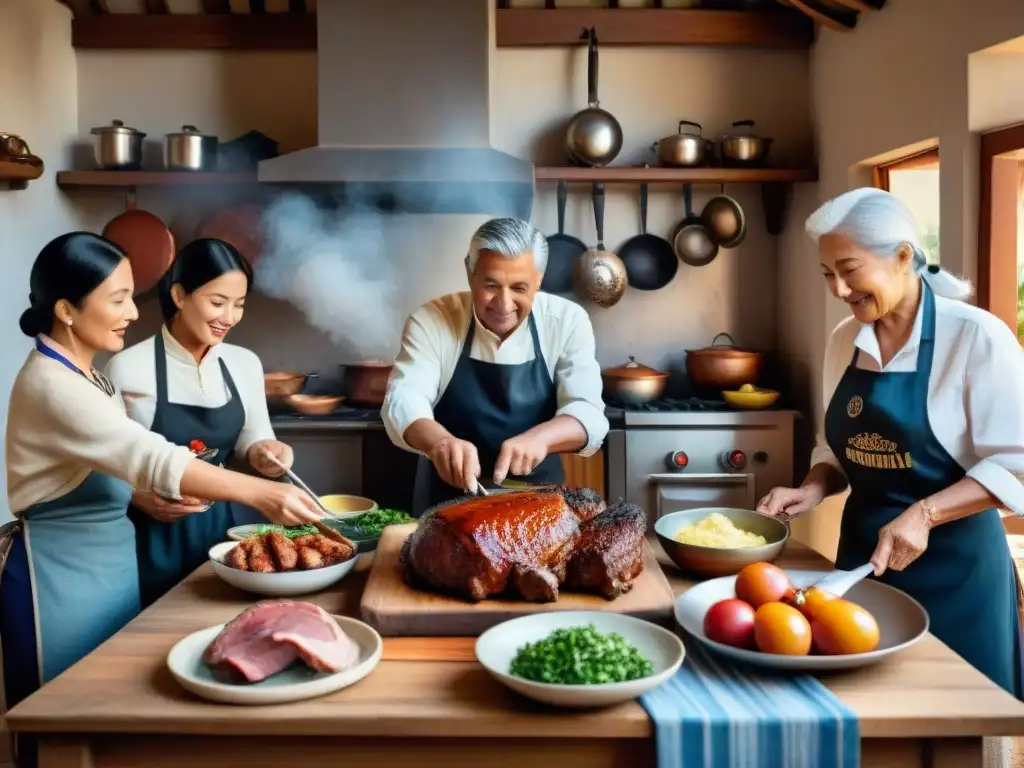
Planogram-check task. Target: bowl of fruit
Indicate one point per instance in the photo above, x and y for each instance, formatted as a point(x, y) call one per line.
point(773, 618)
point(750, 397)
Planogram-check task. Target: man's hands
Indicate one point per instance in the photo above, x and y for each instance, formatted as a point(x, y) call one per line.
point(519, 455)
point(456, 461)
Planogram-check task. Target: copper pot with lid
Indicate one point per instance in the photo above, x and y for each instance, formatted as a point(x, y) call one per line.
point(633, 383)
point(366, 382)
point(722, 366)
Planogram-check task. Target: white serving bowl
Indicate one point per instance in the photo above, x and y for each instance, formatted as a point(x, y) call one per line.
point(498, 646)
point(286, 584)
point(296, 683)
point(902, 622)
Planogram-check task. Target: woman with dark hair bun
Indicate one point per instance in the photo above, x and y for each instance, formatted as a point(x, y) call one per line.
point(69, 576)
point(185, 384)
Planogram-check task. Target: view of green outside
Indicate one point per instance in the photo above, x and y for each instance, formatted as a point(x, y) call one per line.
point(919, 189)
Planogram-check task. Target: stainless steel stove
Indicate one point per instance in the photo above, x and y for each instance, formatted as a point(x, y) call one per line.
point(680, 454)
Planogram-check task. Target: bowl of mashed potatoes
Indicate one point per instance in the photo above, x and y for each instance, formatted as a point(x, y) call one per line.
point(719, 541)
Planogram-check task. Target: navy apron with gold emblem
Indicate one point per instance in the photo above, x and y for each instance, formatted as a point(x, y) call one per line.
point(486, 404)
point(69, 581)
point(168, 552)
point(877, 425)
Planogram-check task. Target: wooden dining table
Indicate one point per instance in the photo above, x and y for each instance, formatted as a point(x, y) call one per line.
point(429, 703)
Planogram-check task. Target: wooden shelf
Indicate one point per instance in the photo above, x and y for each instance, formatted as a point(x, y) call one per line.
point(515, 27)
point(777, 28)
point(640, 175)
point(124, 179)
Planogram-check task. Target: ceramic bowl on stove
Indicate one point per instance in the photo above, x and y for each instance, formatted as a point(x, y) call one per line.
point(715, 561)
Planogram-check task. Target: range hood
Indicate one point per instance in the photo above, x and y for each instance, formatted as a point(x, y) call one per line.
point(403, 112)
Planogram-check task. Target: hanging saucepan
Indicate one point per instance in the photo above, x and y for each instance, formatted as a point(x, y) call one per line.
point(650, 260)
point(147, 241)
point(594, 136)
point(692, 240)
point(726, 220)
point(563, 252)
point(600, 275)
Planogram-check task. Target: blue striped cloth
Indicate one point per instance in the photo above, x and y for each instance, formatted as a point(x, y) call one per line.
point(718, 713)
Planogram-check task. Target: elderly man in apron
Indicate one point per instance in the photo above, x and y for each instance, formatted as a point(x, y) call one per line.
point(495, 382)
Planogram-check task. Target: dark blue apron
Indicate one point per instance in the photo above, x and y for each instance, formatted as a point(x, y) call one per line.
point(168, 552)
point(877, 425)
point(69, 581)
point(486, 404)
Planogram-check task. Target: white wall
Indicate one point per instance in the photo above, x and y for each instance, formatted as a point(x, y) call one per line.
point(899, 79)
point(38, 101)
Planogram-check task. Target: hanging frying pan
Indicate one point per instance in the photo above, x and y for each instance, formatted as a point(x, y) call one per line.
point(650, 260)
point(600, 275)
point(692, 240)
point(563, 252)
point(147, 241)
point(726, 220)
point(239, 226)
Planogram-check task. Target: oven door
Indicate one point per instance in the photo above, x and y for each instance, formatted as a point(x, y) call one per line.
point(676, 491)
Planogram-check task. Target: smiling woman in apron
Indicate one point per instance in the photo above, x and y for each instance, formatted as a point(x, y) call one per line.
point(69, 578)
point(186, 384)
point(496, 381)
point(925, 424)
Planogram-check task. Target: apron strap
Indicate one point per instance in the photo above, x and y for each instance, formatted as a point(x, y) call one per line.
point(926, 347)
point(160, 363)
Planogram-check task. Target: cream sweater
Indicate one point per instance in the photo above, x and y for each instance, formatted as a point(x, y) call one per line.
point(61, 427)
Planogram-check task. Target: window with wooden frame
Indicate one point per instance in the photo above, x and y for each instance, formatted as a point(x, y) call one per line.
point(1001, 226)
point(914, 179)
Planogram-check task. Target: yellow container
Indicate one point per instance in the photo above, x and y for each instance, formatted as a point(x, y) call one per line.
point(759, 398)
point(345, 505)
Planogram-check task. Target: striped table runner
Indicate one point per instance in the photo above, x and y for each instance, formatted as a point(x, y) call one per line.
point(717, 714)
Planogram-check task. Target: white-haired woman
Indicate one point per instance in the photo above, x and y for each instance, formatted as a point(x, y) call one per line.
point(925, 423)
point(497, 380)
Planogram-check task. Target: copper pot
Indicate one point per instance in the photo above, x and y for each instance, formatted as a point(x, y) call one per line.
point(366, 383)
point(722, 366)
point(633, 383)
point(281, 383)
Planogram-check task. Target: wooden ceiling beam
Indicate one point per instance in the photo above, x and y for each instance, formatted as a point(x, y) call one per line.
point(130, 31)
point(216, 6)
point(833, 19)
point(861, 5)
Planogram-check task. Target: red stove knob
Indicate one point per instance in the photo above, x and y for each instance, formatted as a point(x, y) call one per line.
point(735, 459)
point(678, 460)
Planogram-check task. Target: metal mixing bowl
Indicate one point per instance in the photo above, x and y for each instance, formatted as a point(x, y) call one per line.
point(711, 561)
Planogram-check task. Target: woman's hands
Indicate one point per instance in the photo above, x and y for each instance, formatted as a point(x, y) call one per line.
point(284, 503)
point(903, 540)
point(788, 503)
point(166, 510)
point(257, 457)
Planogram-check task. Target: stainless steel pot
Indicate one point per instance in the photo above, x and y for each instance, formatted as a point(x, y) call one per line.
point(633, 383)
point(117, 147)
point(744, 149)
point(190, 150)
point(593, 137)
point(685, 149)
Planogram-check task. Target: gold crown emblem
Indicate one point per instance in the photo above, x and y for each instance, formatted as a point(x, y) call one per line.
point(873, 443)
point(854, 407)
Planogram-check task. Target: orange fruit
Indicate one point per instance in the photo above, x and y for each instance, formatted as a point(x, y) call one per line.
point(840, 627)
point(781, 629)
point(807, 601)
point(760, 583)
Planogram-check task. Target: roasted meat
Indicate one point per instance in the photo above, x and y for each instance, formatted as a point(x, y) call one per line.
point(269, 637)
point(275, 553)
point(518, 543)
point(609, 554)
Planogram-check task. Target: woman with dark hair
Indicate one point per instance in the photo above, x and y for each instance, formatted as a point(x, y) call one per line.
point(185, 384)
point(70, 579)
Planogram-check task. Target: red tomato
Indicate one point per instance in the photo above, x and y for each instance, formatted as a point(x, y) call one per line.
point(730, 622)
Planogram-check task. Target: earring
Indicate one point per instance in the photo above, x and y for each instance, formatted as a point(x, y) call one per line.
point(69, 322)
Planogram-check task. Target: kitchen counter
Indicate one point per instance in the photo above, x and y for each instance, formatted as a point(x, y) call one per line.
point(120, 707)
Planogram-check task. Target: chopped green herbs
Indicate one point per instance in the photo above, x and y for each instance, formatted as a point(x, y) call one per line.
point(291, 533)
point(373, 523)
point(580, 656)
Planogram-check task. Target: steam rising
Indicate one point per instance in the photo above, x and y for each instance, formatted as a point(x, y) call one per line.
point(335, 269)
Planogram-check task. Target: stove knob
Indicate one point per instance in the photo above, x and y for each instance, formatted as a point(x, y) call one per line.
point(735, 460)
point(678, 460)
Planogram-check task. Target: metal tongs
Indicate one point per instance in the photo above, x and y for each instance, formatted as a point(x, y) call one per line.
point(298, 481)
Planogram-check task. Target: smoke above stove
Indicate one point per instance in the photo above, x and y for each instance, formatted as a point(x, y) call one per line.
point(403, 112)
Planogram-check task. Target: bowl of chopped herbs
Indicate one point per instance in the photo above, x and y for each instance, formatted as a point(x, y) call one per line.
point(580, 659)
point(363, 528)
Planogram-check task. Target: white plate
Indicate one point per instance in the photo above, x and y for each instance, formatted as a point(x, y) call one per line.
point(497, 647)
point(296, 683)
point(287, 584)
point(902, 622)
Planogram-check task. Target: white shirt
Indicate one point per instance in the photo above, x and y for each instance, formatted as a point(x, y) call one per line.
point(432, 342)
point(133, 373)
point(975, 393)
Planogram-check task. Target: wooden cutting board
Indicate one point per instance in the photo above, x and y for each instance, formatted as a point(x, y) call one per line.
point(396, 609)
